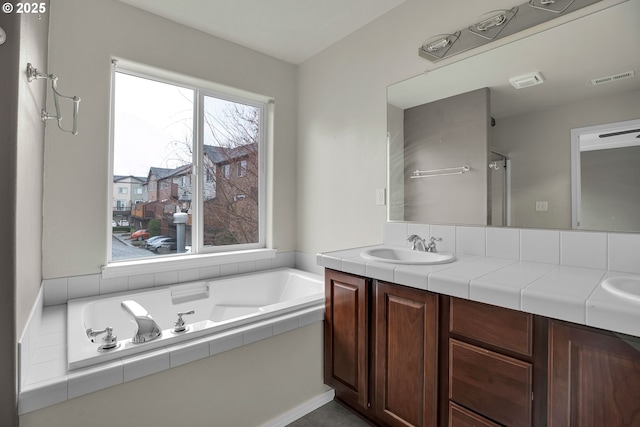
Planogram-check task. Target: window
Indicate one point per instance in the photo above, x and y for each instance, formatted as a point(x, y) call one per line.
point(138, 190)
point(242, 168)
point(161, 130)
point(123, 190)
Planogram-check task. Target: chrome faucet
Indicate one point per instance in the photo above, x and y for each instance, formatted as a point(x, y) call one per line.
point(109, 341)
point(417, 243)
point(431, 247)
point(148, 329)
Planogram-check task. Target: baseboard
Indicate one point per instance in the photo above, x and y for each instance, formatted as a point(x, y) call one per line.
point(301, 410)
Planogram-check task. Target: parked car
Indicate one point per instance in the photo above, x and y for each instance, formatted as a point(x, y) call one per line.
point(123, 223)
point(169, 243)
point(113, 223)
point(150, 240)
point(140, 235)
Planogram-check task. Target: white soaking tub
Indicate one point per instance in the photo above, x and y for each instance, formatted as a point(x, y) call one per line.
point(218, 304)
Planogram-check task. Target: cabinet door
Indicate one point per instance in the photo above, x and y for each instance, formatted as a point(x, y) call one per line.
point(594, 378)
point(405, 356)
point(346, 336)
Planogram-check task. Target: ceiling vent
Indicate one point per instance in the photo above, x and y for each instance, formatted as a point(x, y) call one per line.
point(526, 80)
point(614, 78)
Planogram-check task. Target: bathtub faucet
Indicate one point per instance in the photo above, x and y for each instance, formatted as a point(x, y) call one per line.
point(148, 329)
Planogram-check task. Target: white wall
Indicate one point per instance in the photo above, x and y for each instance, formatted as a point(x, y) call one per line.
point(83, 38)
point(343, 114)
point(539, 147)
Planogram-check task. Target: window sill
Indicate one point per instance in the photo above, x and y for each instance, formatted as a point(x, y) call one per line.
point(146, 266)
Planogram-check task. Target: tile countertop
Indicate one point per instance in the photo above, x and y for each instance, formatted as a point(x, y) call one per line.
point(556, 291)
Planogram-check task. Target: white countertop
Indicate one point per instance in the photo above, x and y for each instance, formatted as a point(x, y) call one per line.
point(557, 291)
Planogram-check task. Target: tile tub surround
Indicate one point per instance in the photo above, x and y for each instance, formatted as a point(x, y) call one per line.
point(43, 376)
point(552, 273)
point(48, 382)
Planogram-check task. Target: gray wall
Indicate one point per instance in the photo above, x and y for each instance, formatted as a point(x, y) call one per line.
point(448, 133)
point(22, 135)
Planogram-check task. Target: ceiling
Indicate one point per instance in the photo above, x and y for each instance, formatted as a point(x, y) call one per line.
point(291, 30)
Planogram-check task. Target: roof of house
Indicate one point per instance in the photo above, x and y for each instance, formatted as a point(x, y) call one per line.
point(118, 178)
point(224, 154)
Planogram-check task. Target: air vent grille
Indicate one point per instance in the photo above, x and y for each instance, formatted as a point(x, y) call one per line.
point(614, 78)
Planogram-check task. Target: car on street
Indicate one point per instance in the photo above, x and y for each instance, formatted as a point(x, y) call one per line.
point(113, 223)
point(147, 243)
point(167, 243)
point(123, 223)
point(140, 235)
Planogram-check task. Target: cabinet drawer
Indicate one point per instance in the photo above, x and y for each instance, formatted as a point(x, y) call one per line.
point(496, 386)
point(500, 327)
point(461, 417)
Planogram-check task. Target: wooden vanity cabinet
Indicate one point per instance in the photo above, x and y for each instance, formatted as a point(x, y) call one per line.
point(594, 377)
point(492, 356)
point(346, 337)
point(406, 358)
point(381, 349)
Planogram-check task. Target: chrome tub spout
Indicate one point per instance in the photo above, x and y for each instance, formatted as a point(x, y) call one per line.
point(148, 329)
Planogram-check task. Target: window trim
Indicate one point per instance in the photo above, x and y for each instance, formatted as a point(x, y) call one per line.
point(203, 255)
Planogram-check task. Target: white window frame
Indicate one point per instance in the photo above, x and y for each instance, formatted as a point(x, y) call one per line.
point(201, 255)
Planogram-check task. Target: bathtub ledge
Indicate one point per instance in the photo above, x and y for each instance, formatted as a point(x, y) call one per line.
point(173, 263)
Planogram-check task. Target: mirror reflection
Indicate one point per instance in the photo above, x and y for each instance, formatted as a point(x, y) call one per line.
point(521, 146)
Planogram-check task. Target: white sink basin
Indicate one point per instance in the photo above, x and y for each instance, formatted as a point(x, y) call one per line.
point(623, 286)
point(407, 256)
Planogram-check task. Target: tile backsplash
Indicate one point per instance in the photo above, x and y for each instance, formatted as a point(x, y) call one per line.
point(589, 249)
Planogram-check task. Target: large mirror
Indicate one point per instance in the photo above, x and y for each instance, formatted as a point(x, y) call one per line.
point(467, 147)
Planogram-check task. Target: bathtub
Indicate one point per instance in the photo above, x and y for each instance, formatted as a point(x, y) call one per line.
point(219, 305)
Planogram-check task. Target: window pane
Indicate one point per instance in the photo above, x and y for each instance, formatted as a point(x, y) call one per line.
point(231, 141)
point(153, 136)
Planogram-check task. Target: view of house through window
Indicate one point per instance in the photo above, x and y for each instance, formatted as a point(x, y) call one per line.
point(156, 145)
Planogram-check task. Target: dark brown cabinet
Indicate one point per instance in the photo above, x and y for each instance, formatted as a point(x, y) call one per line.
point(594, 377)
point(381, 349)
point(405, 357)
point(406, 329)
point(491, 363)
point(346, 337)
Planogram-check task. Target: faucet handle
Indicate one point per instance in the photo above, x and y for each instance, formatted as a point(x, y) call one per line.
point(431, 246)
point(179, 326)
point(110, 341)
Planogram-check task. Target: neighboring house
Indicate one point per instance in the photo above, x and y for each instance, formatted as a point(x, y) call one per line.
point(230, 193)
point(127, 191)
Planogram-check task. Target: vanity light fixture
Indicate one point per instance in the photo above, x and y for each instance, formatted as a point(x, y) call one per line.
point(555, 6)
point(526, 80)
point(439, 45)
point(499, 24)
point(490, 27)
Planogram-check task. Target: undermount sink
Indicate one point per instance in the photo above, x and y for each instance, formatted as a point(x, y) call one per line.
point(623, 286)
point(406, 256)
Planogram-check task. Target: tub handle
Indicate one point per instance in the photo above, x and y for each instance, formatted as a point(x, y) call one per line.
point(179, 326)
point(109, 341)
